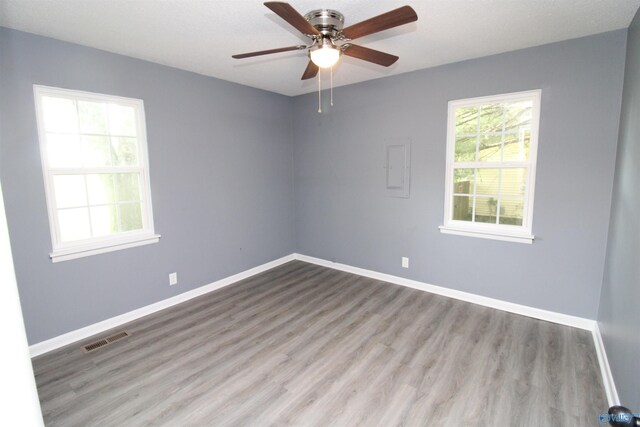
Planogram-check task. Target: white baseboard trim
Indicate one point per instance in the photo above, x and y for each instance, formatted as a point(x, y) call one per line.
point(605, 369)
point(96, 328)
point(550, 316)
point(536, 313)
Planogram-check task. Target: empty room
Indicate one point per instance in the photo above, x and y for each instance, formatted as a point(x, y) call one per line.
point(320, 213)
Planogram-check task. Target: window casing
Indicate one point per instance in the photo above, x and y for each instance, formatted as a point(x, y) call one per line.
point(491, 163)
point(96, 171)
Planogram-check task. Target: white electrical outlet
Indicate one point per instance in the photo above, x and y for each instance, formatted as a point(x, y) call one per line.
point(405, 262)
point(173, 279)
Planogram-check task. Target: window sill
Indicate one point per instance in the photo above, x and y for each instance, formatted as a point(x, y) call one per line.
point(507, 237)
point(103, 247)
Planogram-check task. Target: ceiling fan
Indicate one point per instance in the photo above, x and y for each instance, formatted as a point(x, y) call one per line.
point(329, 39)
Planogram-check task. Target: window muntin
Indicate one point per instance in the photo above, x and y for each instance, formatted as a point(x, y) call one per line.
point(491, 153)
point(94, 160)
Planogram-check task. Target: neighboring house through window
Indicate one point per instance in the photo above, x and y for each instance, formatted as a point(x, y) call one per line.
point(491, 163)
point(96, 171)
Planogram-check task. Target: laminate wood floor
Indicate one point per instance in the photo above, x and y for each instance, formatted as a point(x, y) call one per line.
point(306, 345)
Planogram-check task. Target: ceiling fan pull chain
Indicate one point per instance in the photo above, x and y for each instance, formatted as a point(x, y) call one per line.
point(332, 85)
point(319, 91)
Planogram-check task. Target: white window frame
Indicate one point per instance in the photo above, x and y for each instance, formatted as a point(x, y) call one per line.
point(511, 233)
point(62, 251)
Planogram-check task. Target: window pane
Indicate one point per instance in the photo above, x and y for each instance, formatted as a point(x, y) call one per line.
point(490, 161)
point(128, 187)
point(518, 116)
point(486, 208)
point(487, 181)
point(60, 115)
point(96, 151)
point(491, 118)
point(93, 117)
point(467, 120)
point(511, 211)
point(125, 151)
point(92, 148)
point(122, 120)
point(101, 189)
point(513, 182)
point(130, 217)
point(74, 224)
point(465, 148)
point(490, 148)
point(516, 146)
point(462, 208)
point(104, 220)
point(63, 151)
point(70, 191)
point(463, 181)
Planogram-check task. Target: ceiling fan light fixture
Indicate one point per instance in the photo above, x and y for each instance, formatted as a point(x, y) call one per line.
point(325, 56)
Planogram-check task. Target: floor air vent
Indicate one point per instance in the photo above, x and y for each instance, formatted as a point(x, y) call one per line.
point(105, 341)
point(118, 336)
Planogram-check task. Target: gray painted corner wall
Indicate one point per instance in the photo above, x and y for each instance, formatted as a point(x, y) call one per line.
point(342, 212)
point(619, 316)
point(221, 170)
point(224, 159)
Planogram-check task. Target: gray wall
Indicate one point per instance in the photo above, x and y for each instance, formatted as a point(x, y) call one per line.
point(619, 316)
point(222, 172)
point(221, 181)
point(343, 214)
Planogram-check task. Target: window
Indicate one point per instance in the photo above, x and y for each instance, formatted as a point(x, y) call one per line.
point(491, 163)
point(96, 173)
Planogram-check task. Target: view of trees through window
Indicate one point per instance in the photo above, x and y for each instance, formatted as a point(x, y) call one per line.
point(93, 161)
point(491, 156)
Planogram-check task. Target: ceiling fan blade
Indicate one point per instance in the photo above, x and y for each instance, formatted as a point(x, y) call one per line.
point(370, 55)
point(289, 14)
point(402, 15)
point(310, 71)
point(267, 52)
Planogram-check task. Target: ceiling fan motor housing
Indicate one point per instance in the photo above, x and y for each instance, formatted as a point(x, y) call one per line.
point(327, 21)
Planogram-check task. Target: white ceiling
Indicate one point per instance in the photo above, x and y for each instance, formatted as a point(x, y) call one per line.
point(201, 35)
